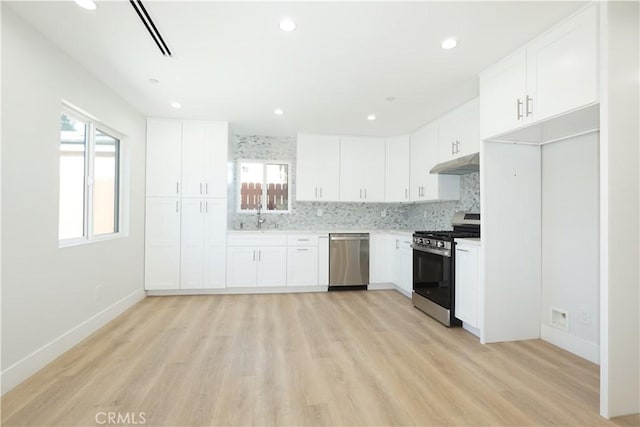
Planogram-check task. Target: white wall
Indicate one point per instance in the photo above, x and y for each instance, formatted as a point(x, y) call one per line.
point(619, 165)
point(570, 243)
point(510, 191)
point(49, 295)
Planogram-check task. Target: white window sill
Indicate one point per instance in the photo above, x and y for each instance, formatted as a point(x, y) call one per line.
point(84, 241)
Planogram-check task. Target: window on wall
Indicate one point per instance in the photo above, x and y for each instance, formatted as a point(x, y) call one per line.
point(89, 192)
point(264, 185)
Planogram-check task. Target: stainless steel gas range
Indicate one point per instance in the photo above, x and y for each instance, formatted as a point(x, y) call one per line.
point(434, 267)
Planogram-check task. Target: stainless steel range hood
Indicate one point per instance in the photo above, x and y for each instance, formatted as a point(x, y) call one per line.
point(459, 166)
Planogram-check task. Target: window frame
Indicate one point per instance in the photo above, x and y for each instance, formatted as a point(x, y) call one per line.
point(264, 185)
point(93, 125)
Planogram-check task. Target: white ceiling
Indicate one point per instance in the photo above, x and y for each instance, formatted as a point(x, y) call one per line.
point(232, 62)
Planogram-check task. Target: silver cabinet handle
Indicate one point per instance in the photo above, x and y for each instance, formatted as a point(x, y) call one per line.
point(518, 106)
point(260, 255)
point(365, 193)
point(361, 193)
point(200, 188)
point(316, 192)
point(302, 250)
point(528, 111)
point(453, 148)
point(302, 240)
point(406, 193)
point(200, 206)
point(461, 250)
point(397, 242)
point(206, 206)
point(321, 192)
point(457, 146)
point(177, 188)
point(254, 256)
point(206, 188)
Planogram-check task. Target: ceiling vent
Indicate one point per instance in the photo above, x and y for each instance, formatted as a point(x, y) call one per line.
point(150, 26)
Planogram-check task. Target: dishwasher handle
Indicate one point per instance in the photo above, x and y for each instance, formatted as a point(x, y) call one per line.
point(349, 236)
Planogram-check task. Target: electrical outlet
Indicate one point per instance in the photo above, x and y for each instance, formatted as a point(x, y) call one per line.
point(319, 212)
point(425, 214)
point(560, 319)
point(383, 213)
point(585, 317)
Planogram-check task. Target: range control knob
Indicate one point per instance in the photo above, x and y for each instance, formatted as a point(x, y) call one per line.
point(440, 244)
point(427, 241)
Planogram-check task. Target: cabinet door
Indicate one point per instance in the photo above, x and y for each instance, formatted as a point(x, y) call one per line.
point(215, 237)
point(424, 149)
point(323, 260)
point(194, 140)
point(406, 265)
point(163, 157)
point(307, 167)
point(241, 266)
point(379, 265)
point(352, 152)
point(192, 244)
point(502, 87)
point(373, 168)
point(272, 266)
point(562, 66)
point(162, 243)
point(468, 133)
point(215, 159)
point(328, 168)
point(302, 266)
point(397, 169)
point(467, 284)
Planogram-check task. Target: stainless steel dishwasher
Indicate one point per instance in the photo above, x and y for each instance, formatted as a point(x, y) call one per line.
point(348, 261)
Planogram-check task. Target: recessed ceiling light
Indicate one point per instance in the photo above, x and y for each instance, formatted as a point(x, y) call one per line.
point(86, 4)
point(287, 25)
point(154, 81)
point(449, 43)
point(371, 117)
point(278, 112)
point(175, 104)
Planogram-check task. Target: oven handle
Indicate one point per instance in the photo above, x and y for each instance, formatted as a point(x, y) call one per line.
point(442, 252)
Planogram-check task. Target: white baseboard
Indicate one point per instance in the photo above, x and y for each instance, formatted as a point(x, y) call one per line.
point(380, 286)
point(578, 346)
point(29, 365)
point(235, 291)
point(471, 329)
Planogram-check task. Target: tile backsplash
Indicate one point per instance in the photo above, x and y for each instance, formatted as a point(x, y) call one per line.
point(338, 215)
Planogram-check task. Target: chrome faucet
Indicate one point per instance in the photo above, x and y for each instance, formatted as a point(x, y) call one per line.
point(260, 219)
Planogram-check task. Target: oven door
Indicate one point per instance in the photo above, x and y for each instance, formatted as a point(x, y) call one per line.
point(433, 276)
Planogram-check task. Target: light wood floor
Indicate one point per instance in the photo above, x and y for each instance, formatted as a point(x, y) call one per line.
point(348, 358)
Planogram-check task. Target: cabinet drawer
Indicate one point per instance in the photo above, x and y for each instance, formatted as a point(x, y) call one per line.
point(302, 240)
point(256, 239)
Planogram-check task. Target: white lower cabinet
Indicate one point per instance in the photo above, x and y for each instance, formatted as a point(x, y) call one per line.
point(162, 243)
point(203, 242)
point(255, 259)
point(379, 265)
point(402, 263)
point(302, 266)
point(323, 260)
point(467, 283)
point(256, 266)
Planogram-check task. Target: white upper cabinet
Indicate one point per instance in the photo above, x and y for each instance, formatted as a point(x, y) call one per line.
point(362, 162)
point(204, 158)
point(164, 140)
point(562, 67)
point(554, 74)
point(458, 133)
point(397, 169)
point(318, 167)
point(502, 91)
point(424, 154)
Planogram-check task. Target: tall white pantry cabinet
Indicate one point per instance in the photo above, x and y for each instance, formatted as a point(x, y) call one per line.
point(186, 204)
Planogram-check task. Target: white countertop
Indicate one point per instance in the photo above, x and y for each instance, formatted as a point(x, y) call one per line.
point(285, 231)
